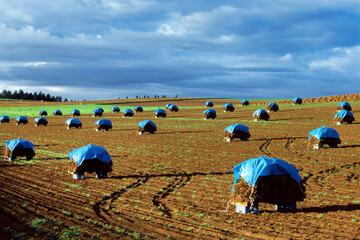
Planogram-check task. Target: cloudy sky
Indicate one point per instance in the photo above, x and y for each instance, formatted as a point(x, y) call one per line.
point(102, 49)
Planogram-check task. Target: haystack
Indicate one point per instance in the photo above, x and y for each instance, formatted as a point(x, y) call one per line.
point(115, 109)
point(57, 113)
point(4, 119)
point(40, 121)
point(21, 119)
point(146, 126)
point(138, 109)
point(209, 113)
point(261, 114)
point(324, 136)
point(228, 107)
point(43, 113)
point(97, 113)
point(128, 113)
point(209, 104)
point(236, 131)
point(344, 105)
point(103, 124)
point(73, 123)
point(75, 112)
point(272, 107)
point(89, 159)
point(173, 108)
point(160, 113)
point(344, 116)
point(244, 102)
point(266, 180)
point(19, 148)
point(297, 100)
point(167, 106)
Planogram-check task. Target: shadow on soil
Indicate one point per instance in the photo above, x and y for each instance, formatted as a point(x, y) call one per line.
point(351, 146)
point(180, 132)
point(333, 208)
point(172, 175)
point(283, 138)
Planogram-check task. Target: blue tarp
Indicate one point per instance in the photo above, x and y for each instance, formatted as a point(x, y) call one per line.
point(98, 110)
point(343, 113)
point(145, 122)
point(115, 108)
point(12, 144)
point(172, 107)
point(159, 111)
point(103, 121)
point(43, 112)
point(209, 111)
point(128, 110)
point(73, 121)
point(297, 99)
point(75, 111)
point(259, 111)
point(250, 170)
point(89, 152)
point(4, 117)
point(226, 105)
point(209, 102)
point(272, 104)
point(244, 101)
point(138, 108)
point(21, 118)
point(57, 111)
point(168, 105)
point(40, 118)
point(342, 104)
point(102, 110)
point(324, 132)
point(237, 127)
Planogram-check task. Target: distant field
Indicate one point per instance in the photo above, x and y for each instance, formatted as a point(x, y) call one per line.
point(171, 184)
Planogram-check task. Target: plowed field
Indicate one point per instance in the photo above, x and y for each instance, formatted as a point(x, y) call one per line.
point(171, 184)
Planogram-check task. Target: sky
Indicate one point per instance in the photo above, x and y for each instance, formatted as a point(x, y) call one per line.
point(106, 49)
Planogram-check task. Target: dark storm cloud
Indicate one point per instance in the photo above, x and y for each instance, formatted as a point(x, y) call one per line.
point(189, 48)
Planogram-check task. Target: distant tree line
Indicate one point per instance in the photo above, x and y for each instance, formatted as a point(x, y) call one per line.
point(30, 96)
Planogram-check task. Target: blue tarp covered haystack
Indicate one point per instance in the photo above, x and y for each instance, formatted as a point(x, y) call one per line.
point(73, 122)
point(146, 126)
point(57, 113)
point(173, 108)
point(102, 110)
point(272, 107)
point(90, 159)
point(160, 113)
point(138, 109)
point(209, 104)
point(269, 180)
point(97, 112)
point(128, 112)
point(75, 112)
point(19, 148)
point(115, 109)
point(297, 100)
point(167, 106)
point(103, 124)
point(344, 105)
point(344, 116)
point(4, 119)
point(261, 114)
point(209, 113)
point(21, 119)
point(228, 107)
point(244, 102)
point(40, 121)
point(324, 136)
point(43, 113)
point(236, 131)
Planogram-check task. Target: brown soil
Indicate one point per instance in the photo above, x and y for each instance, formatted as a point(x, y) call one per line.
point(171, 184)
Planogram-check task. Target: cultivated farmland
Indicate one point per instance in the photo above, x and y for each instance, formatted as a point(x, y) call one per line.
point(171, 184)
